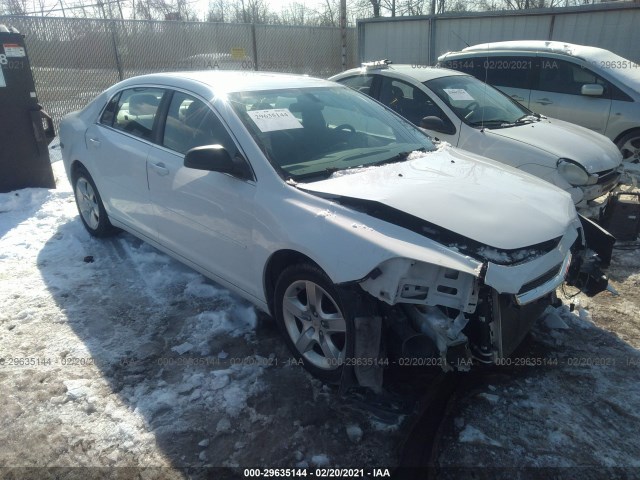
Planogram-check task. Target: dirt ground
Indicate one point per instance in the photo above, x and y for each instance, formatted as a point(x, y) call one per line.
point(113, 356)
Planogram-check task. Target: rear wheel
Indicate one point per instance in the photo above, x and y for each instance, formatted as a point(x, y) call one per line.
point(92, 213)
point(317, 325)
point(629, 145)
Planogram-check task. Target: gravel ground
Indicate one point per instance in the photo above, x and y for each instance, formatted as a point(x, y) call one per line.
point(114, 355)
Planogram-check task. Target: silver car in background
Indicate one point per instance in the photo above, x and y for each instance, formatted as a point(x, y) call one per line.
point(585, 85)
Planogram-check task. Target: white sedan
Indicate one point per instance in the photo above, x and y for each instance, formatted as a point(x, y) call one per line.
point(326, 210)
point(474, 116)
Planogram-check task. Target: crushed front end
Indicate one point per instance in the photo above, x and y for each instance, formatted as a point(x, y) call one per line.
point(435, 315)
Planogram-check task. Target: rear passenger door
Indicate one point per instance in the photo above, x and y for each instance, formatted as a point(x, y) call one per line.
point(119, 144)
point(557, 93)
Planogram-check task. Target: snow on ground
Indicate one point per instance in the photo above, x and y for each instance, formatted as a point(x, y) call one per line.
point(113, 354)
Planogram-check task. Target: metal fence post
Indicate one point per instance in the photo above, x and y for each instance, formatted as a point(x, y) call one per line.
point(255, 47)
point(115, 50)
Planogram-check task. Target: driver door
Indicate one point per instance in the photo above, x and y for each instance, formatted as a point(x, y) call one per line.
point(205, 217)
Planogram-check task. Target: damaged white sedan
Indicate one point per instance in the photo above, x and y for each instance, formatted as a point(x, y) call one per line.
point(330, 212)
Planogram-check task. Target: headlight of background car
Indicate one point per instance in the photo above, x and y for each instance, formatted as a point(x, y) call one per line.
point(574, 173)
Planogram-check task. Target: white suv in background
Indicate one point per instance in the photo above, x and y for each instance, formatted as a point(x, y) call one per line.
point(589, 86)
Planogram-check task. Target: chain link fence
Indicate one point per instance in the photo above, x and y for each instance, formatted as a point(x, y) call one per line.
point(74, 59)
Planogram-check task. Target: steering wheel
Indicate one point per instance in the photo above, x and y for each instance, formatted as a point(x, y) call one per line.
point(345, 126)
point(472, 107)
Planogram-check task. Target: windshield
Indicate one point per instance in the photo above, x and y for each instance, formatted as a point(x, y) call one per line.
point(478, 104)
point(314, 132)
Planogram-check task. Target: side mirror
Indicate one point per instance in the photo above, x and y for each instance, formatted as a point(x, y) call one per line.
point(592, 90)
point(436, 124)
point(216, 158)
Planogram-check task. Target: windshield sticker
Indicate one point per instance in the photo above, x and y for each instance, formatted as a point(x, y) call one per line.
point(458, 94)
point(274, 119)
point(2, 82)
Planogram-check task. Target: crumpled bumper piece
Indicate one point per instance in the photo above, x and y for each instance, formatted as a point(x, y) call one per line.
point(536, 278)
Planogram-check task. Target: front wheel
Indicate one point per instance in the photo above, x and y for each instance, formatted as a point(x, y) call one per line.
point(92, 213)
point(317, 326)
point(629, 145)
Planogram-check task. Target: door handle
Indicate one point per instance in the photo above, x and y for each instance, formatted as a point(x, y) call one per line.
point(94, 141)
point(517, 98)
point(160, 168)
point(543, 101)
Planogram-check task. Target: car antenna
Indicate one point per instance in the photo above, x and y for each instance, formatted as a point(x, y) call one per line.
point(460, 38)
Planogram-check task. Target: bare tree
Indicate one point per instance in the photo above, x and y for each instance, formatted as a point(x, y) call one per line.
point(13, 7)
point(219, 11)
point(164, 10)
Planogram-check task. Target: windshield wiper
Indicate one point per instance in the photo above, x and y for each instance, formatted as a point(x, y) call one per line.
point(501, 123)
point(529, 117)
point(399, 157)
point(326, 173)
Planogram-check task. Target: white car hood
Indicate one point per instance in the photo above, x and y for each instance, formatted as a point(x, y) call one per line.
point(471, 196)
point(593, 151)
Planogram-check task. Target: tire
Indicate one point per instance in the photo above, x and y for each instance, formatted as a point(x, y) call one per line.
point(629, 145)
point(319, 331)
point(90, 207)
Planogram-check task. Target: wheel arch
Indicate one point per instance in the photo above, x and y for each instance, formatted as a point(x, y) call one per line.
point(75, 166)
point(626, 132)
point(277, 262)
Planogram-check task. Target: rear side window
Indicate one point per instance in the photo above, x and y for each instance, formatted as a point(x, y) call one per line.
point(500, 71)
point(109, 113)
point(136, 111)
point(560, 76)
point(361, 83)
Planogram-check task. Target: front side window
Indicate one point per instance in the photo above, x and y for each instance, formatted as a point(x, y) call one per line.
point(476, 103)
point(191, 123)
point(136, 111)
point(409, 101)
point(316, 131)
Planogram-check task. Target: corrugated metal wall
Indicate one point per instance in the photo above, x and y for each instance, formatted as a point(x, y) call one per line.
point(420, 40)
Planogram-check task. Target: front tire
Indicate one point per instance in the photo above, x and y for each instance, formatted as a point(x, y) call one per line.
point(90, 207)
point(317, 325)
point(629, 145)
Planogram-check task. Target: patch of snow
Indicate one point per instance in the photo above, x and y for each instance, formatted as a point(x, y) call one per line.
point(493, 399)
point(183, 348)
point(224, 425)
point(320, 460)
point(354, 432)
point(326, 213)
point(471, 434)
point(361, 226)
point(553, 320)
point(200, 289)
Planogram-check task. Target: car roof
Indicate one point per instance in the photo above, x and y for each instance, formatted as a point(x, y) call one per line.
point(229, 81)
point(570, 49)
point(417, 72)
